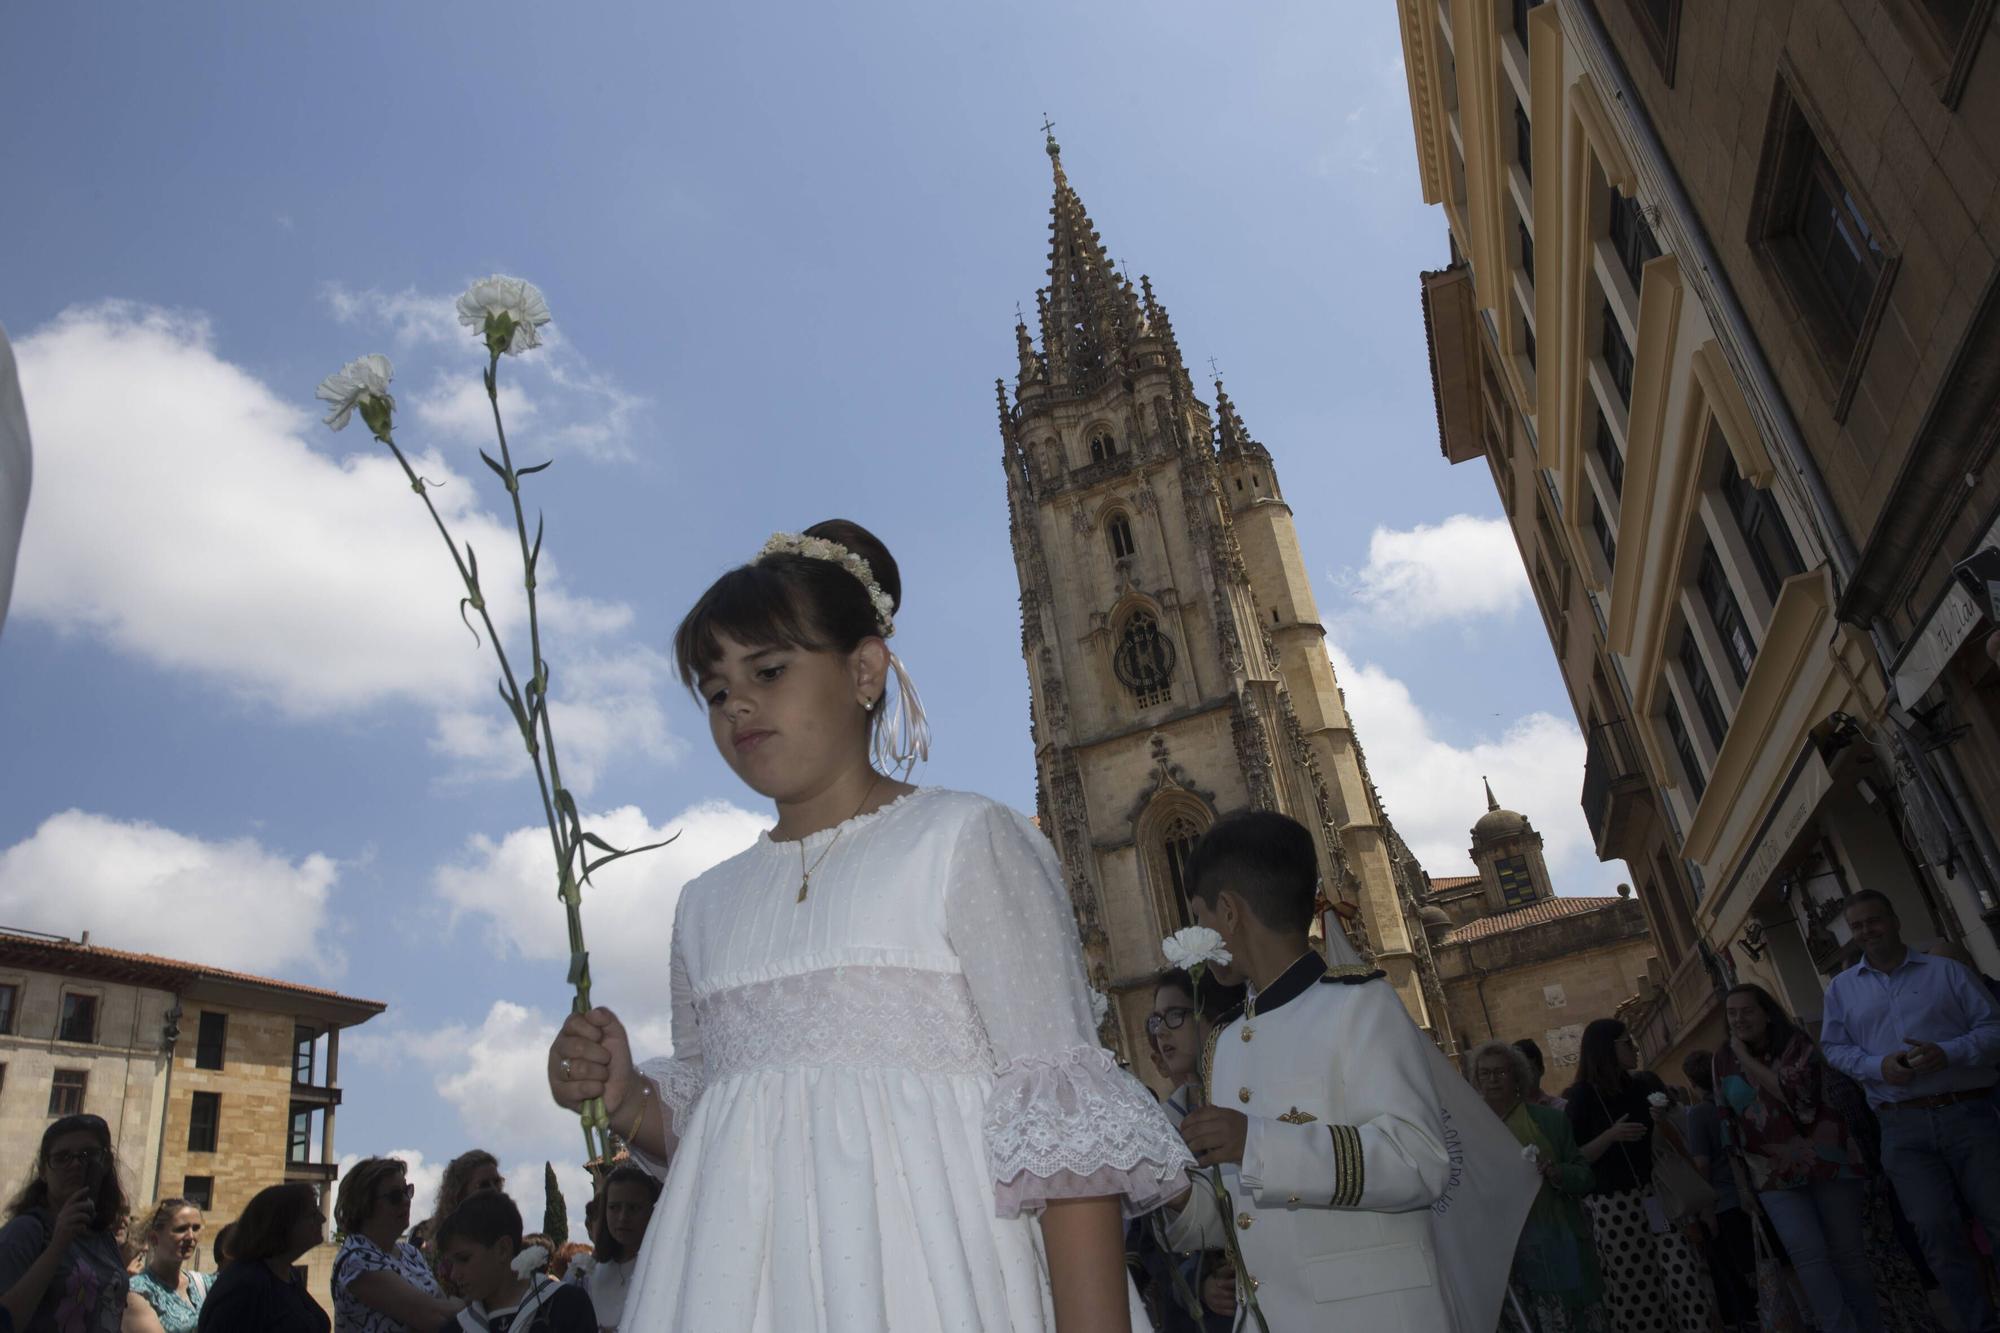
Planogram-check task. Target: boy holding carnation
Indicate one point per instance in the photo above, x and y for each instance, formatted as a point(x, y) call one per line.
point(505, 1289)
point(1323, 1112)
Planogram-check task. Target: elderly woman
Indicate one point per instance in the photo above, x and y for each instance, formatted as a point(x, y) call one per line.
point(1555, 1276)
point(381, 1283)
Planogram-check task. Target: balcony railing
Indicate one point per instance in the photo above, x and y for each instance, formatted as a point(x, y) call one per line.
point(1614, 785)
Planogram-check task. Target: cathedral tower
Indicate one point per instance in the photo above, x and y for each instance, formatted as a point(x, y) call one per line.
point(1176, 663)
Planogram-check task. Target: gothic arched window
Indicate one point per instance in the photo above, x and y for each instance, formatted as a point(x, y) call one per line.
point(1102, 445)
point(1176, 846)
point(1121, 537)
point(1144, 662)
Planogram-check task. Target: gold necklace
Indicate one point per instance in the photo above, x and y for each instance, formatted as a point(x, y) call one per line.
point(806, 871)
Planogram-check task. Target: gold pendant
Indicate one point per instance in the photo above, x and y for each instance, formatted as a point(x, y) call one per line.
point(804, 884)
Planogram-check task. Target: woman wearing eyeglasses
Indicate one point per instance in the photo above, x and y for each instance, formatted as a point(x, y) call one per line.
point(381, 1283)
point(60, 1268)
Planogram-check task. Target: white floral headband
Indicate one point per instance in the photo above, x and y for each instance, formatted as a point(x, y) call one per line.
point(819, 548)
point(902, 735)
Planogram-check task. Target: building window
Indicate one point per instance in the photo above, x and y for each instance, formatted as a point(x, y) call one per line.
point(204, 1121)
point(1738, 648)
point(79, 1018)
point(1617, 354)
point(67, 1091)
point(1527, 249)
point(1144, 662)
point(1631, 238)
point(1517, 886)
point(1660, 25)
point(298, 1147)
point(302, 1054)
point(1821, 247)
point(1528, 342)
point(1606, 541)
point(1523, 142)
point(1683, 744)
point(1121, 535)
point(8, 995)
point(1102, 446)
point(208, 1043)
point(1702, 686)
point(1772, 550)
point(199, 1191)
point(1521, 8)
point(1607, 454)
point(1177, 845)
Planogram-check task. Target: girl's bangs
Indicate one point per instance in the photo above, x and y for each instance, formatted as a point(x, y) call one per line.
point(754, 605)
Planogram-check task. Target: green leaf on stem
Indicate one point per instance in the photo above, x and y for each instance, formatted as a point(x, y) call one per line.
point(590, 866)
point(463, 604)
point(531, 471)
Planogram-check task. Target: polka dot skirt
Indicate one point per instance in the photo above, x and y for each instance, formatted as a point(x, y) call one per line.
point(1653, 1283)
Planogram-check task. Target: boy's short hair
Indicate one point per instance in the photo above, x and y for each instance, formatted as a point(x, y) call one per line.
point(484, 1219)
point(1266, 858)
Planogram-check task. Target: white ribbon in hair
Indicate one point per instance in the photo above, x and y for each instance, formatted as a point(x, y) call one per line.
point(902, 733)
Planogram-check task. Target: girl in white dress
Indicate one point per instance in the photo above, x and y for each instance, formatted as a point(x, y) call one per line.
point(887, 1107)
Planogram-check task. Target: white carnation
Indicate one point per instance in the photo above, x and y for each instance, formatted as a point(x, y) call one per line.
point(358, 380)
point(530, 1261)
point(1657, 1100)
point(1194, 946)
point(500, 297)
point(1100, 1006)
point(1531, 1154)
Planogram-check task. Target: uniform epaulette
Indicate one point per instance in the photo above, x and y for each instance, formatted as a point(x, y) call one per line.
point(1352, 974)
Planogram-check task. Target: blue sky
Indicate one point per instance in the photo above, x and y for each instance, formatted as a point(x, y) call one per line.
point(783, 247)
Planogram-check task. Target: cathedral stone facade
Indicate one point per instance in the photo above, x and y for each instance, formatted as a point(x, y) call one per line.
point(1177, 667)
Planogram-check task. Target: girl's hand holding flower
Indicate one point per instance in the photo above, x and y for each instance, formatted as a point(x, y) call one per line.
point(1215, 1134)
point(591, 1058)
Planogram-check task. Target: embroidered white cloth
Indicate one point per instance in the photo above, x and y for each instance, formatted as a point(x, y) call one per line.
point(876, 1090)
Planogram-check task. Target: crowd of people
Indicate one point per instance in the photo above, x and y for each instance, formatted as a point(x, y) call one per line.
point(75, 1257)
point(1831, 1183)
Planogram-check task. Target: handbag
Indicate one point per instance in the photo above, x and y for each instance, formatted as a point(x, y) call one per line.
point(1777, 1299)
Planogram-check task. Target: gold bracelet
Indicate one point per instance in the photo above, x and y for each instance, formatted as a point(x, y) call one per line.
point(639, 1120)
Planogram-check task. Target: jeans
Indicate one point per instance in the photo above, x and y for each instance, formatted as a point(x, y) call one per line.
point(1823, 1227)
point(1945, 1162)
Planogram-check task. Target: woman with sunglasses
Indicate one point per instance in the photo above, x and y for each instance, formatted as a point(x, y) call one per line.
point(381, 1282)
point(60, 1267)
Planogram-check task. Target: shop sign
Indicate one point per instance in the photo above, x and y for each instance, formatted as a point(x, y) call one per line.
point(1945, 631)
point(1808, 786)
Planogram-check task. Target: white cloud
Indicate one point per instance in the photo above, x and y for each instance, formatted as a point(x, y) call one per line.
point(183, 518)
point(507, 887)
point(138, 886)
point(1461, 568)
point(575, 406)
point(1431, 788)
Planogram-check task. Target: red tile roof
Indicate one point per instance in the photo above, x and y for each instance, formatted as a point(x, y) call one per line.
point(58, 950)
point(1534, 914)
point(1446, 883)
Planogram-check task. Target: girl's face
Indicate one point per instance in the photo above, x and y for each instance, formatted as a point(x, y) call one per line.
point(175, 1241)
point(788, 721)
point(75, 1161)
point(1746, 1018)
point(484, 1178)
point(627, 1210)
point(1180, 1046)
point(1626, 1050)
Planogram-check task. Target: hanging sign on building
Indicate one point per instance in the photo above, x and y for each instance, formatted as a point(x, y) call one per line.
point(1945, 630)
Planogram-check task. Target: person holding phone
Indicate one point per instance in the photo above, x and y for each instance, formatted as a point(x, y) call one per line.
point(60, 1268)
point(1921, 1035)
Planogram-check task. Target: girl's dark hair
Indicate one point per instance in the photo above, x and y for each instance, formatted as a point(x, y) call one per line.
point(789, 601)
point(109, 1207)
point(265, 1229)
point(484, 1218)
point(1597, 1066)
point(1781, 1030)
point(1211, 998)
point(1699, 1066)
point(608, 1249)
point(223, 1248)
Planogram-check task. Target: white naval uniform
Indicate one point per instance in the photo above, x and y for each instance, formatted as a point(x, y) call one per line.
point(1345, 1153)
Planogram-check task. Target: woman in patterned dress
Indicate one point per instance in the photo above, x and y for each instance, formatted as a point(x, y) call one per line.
point(381, 1283)
point(168, 1282)
point(1654, 1282)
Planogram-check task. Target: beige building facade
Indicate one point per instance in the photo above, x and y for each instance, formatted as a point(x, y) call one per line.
point(215, 1084)
point(1177, 665)
point(1721, 319)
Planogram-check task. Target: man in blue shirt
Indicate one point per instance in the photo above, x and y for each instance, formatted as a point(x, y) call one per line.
point(1922, 1036)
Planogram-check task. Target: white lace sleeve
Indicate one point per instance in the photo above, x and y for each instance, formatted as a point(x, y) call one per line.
point(1063, 1120)
point(677, 1079)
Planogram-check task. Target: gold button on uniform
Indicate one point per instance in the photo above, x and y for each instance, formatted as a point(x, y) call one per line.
point(1247, 1034)
point(1243, 1221)
point(1243, 1094)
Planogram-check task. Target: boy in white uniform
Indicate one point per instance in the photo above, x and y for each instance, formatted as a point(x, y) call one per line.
point(1324, 1115)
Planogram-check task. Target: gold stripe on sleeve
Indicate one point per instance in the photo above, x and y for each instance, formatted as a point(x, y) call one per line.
point(1347, 1166)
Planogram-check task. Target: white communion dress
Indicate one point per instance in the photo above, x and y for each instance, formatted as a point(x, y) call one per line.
point(874, 1092)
